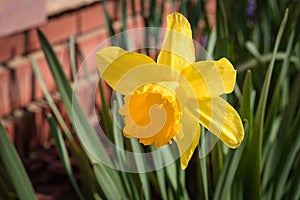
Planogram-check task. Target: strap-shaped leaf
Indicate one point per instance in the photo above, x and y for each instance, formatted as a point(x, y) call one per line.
point(15, 168)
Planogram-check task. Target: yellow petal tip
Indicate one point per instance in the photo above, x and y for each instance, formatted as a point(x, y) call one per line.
point(235, 143)
point(228, 74)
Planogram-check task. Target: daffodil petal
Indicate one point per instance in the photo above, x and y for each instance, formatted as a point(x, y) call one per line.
point(210, 78)
point(221, 119)
point(227, 73)
point(191, 134)
point(114, 62)
point(178, 48)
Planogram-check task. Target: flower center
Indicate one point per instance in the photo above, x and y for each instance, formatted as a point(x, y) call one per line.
point(152, 114)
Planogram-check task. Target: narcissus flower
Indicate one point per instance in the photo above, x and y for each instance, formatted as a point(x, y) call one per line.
point(169, 99)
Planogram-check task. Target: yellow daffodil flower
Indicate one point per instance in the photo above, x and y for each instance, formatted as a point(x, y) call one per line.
point(170, 98)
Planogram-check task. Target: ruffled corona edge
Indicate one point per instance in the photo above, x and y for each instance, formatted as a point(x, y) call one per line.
point(167, 100)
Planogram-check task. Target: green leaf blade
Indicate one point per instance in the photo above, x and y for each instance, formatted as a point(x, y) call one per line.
point(15, 168)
